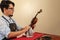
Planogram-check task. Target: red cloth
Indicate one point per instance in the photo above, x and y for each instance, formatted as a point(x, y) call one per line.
point(35, 36)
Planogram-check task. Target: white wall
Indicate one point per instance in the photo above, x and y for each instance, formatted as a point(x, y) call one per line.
point(48, 20)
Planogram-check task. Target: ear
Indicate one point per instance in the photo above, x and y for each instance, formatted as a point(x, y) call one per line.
point(5, 9)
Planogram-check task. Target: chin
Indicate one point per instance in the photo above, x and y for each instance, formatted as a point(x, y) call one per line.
point(10, 15)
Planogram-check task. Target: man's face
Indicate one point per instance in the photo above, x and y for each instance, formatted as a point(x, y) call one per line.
point(10, 10)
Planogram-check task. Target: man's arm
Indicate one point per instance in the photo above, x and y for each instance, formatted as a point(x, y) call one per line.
point(15, 34)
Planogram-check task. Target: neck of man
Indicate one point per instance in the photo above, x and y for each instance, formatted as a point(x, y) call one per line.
point(8, 15)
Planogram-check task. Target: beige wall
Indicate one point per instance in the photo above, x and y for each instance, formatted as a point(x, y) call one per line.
point(48, 20)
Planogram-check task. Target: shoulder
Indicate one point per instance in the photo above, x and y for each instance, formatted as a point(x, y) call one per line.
point(2, 21)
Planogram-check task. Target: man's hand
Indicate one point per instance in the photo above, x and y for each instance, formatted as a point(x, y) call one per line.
point(27, 28)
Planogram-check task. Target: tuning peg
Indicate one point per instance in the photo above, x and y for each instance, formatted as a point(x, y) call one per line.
point(40, 11)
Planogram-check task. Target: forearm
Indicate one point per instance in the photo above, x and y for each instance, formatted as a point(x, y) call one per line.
point(15, 34)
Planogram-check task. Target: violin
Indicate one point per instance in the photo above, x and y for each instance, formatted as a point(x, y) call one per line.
point(35, 19)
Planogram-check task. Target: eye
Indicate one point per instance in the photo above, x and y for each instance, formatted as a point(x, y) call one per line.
point(11, 8)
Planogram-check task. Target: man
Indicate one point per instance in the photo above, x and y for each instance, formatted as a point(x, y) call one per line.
point(7, 23)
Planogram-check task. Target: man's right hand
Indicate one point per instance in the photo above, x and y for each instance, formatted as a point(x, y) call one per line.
point(27, 28)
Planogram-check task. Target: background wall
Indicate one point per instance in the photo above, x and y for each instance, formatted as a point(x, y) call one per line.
point(48, 20)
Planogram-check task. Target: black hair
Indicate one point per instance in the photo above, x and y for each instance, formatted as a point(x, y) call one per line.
point(5, 4)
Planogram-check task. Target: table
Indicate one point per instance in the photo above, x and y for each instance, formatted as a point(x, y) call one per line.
point(35, 36)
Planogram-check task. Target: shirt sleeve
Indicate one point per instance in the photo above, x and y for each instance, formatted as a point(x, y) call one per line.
point(4, 29)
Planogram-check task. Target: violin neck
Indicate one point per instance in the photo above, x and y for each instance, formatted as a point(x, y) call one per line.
point(36, 15)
